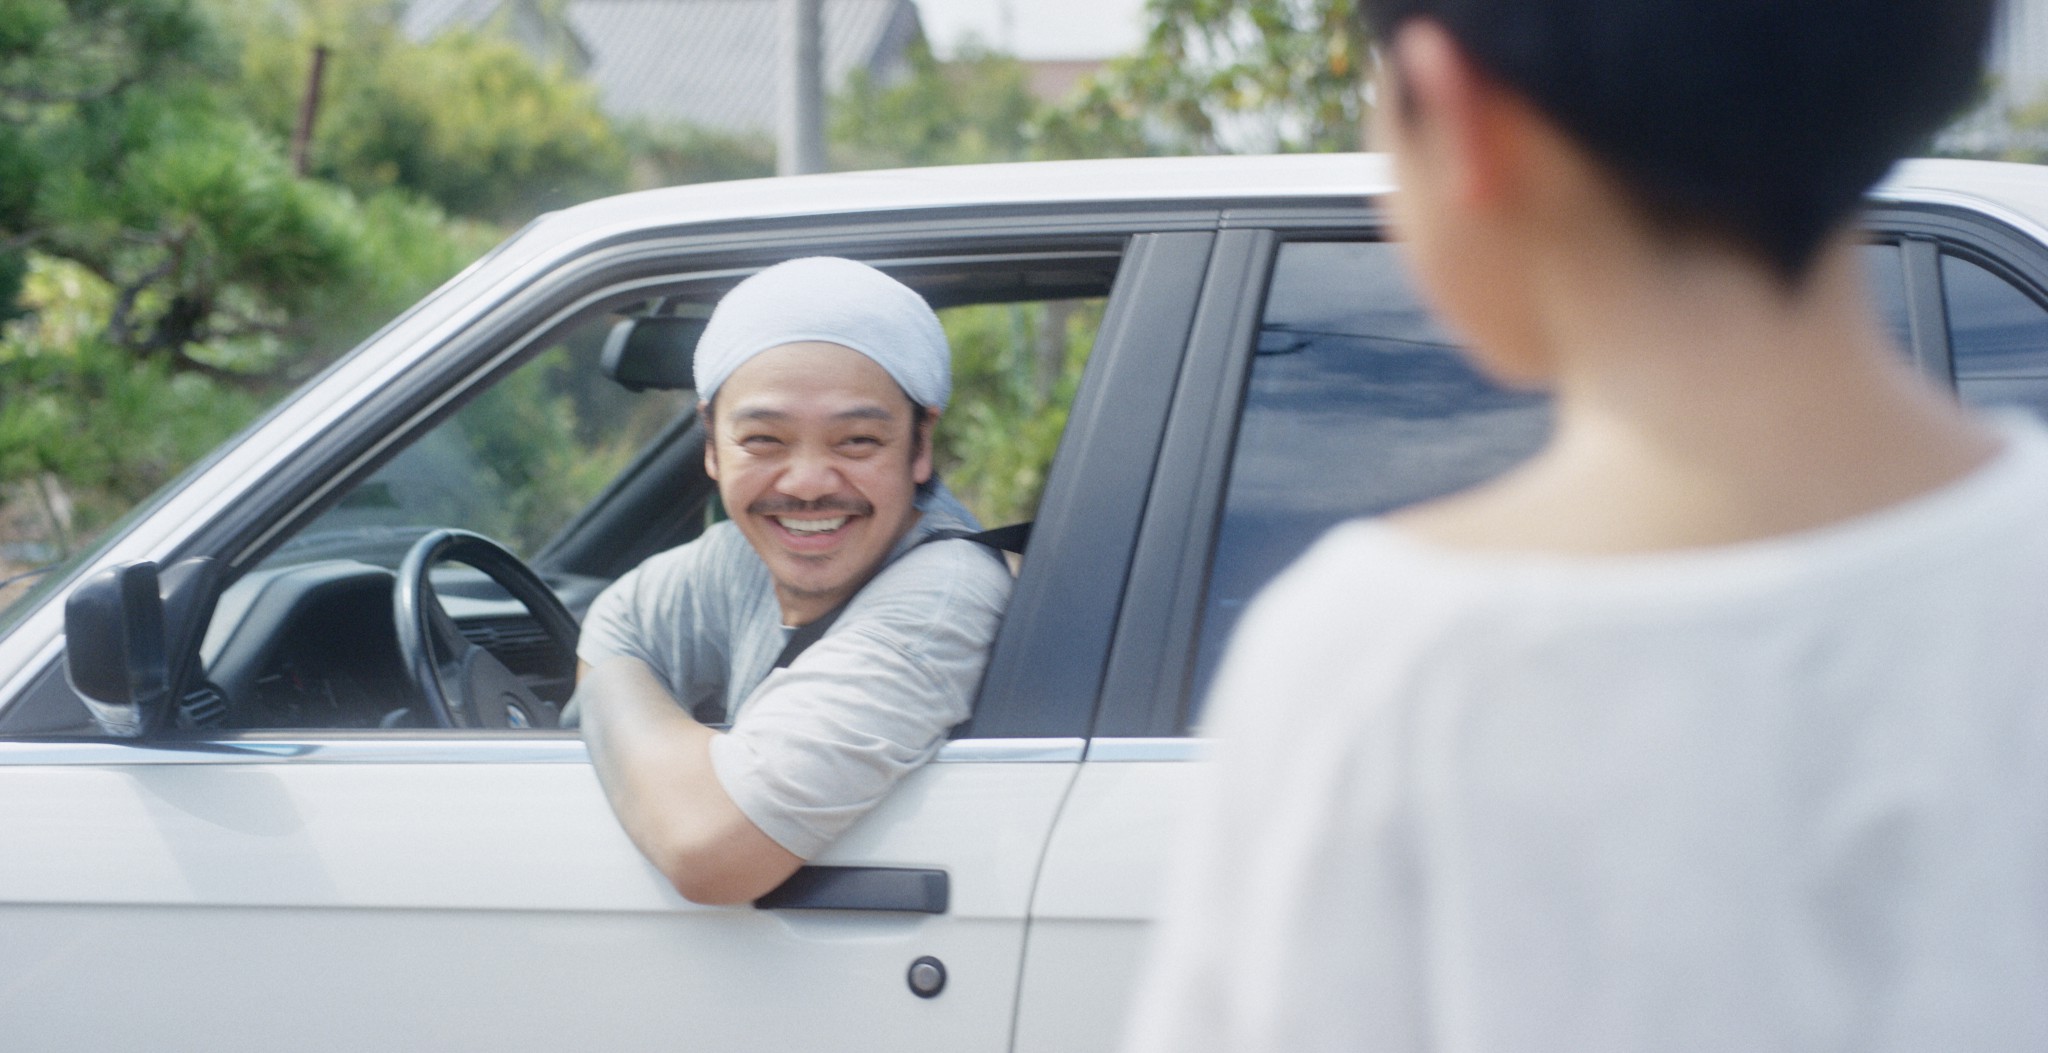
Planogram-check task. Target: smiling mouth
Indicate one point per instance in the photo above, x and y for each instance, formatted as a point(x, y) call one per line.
point(811, 527)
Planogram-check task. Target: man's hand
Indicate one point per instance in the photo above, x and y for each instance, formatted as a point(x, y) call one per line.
point(654, 762)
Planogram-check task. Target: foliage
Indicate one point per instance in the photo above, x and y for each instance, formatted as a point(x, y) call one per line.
point(81, 410)
point(1255, 76)
point(1015, 370)
point(165, 271)
point(975, 108)
point(1213, 76)
point(467, 120)
point(68, 74)
point(2029, 139)
point(675, 154)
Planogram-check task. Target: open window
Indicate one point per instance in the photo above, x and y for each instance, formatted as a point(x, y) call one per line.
point(584, 459)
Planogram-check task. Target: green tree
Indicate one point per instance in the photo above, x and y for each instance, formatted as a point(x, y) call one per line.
point(467, 120)
point(69, 70)
point(165, 271)
point(973, 109)
point(1231, 76)
point(1016, 368)
point(668, 155)
point(2029, 138)
point(1212, 76)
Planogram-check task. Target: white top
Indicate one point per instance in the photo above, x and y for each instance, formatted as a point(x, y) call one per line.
point(814, 746)
point(1788, 795)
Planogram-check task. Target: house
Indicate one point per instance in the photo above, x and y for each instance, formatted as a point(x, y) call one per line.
point(524, 22)
point(706, 63)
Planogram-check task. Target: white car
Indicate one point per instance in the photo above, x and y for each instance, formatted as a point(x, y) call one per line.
point(266, 835)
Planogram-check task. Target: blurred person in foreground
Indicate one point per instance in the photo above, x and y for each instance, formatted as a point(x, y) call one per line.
point(1723, 722)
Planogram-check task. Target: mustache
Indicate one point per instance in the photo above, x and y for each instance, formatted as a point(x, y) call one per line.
point(829, 506)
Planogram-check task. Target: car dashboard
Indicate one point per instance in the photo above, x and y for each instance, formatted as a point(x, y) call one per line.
point(314, 645)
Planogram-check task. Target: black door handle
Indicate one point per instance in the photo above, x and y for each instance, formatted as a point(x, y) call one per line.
point(860, 888)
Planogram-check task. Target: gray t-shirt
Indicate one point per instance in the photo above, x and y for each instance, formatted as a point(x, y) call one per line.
point(815, 745)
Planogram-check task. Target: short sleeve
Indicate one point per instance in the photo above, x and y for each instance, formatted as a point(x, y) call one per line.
point(821, 742)
point(612, 628)
point(679, 612)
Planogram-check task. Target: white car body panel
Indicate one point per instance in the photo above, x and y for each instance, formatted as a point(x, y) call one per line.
point(479, 906)
point(1098, 893)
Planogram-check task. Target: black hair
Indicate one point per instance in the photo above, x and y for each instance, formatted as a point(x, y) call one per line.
point(1760, 122)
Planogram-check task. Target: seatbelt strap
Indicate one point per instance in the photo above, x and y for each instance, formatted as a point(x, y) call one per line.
point(1002, 539)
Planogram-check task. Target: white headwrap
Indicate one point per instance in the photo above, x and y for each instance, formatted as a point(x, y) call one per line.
point(836, 301)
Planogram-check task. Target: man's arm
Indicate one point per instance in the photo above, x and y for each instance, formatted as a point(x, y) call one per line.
point(654, 762)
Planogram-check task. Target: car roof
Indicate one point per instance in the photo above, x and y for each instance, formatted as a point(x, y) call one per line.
point(2015, 193)
point(2020, 188)
point(1107, 182)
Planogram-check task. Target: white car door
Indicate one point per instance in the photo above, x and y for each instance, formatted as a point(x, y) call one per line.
point(475, 893)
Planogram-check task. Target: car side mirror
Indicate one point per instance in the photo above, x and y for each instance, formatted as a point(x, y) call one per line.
point(653, 352)
point(129, 639)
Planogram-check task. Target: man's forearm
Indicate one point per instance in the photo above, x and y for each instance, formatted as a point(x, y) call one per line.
point(654, 762)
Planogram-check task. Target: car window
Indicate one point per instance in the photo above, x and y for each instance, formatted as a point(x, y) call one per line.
point(1998, 335)
point(514, 464)
point(1015, 370)
point(306, 639)
point(1357, 404)
point(1996, 328)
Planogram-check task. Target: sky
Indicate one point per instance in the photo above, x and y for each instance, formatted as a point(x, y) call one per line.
point(1037, 29)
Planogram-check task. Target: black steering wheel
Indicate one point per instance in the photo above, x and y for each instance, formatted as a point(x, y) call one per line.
point(464, 685)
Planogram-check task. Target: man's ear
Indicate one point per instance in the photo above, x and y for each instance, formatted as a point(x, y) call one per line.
point(710, 441)
point(1459, 123)
point(921, 464)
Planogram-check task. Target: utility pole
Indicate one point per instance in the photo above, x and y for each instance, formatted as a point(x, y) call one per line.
point(309, 112)
point(800, 129)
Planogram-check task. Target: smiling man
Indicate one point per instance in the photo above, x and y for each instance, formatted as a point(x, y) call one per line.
point(840, 646)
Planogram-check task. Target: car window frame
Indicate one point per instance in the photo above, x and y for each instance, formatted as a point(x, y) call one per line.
point(1146, 709)
point(1924, 233)
point(1046, 693)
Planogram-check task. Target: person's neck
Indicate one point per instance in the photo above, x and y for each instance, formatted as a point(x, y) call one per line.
point(803, 608)
point(1700, 403)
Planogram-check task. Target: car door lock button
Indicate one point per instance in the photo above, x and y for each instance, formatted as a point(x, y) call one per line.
point(927, 977)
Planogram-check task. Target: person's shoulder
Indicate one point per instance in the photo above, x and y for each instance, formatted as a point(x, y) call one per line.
point(716, 562)
point(2004, 505)
point(948, 566)
point(720, 543)
point(1355, 563)
point(2025, 461)
point(1363, 589)
point(950, 592)
point(1348, 628)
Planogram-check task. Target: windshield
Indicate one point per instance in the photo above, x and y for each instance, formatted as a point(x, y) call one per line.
point(515, 464)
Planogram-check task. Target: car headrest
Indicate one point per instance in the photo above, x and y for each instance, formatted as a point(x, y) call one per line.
point(653, 352)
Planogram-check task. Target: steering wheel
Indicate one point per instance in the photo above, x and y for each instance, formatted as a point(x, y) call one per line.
point(464, 685)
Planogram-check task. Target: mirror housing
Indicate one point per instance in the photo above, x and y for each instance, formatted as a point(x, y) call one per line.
point(114, 649)
point(653, 352)
point(130, 637)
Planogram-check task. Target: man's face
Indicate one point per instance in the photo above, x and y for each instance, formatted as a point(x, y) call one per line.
point(816, 458)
